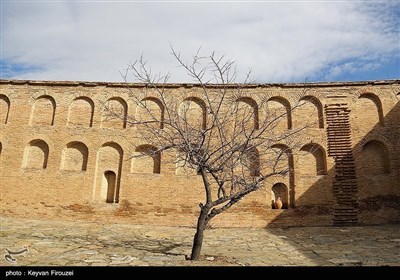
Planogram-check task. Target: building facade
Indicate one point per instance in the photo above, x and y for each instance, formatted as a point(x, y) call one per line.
point(60, 156)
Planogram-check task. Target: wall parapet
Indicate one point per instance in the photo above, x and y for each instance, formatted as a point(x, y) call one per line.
point(191, 85)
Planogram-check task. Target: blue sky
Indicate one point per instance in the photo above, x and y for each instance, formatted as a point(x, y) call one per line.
point(292, 41)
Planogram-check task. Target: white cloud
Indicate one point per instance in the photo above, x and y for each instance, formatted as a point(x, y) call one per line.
point(351, 68)
point(279, 41)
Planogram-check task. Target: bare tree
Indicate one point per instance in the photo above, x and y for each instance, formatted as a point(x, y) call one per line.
point(222, 133)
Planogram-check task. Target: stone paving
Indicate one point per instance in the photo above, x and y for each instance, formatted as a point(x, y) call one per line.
point(61, 243)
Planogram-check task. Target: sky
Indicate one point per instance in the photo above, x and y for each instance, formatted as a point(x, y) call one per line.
point(280, 41)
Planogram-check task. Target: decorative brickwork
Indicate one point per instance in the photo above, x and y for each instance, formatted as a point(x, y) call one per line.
point(340, 148)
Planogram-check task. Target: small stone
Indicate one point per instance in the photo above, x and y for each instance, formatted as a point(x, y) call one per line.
point(345, 262)
point(126, 259)
point(44, 243)
point(210, 258)
point(100, 264)
point(89, 252)
point(139, 263)
point(94, 260)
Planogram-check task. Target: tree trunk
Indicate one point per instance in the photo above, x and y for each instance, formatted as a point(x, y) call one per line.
point(198, 237)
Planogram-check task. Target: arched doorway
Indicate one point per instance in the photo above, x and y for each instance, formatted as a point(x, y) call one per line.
point(109, 180)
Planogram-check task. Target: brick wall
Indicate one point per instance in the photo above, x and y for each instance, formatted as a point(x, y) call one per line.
point(59, 152)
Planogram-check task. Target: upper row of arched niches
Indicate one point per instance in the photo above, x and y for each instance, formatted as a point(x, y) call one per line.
point(81, 110)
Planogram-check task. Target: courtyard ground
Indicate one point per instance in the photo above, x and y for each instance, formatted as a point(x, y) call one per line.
point(62, 243)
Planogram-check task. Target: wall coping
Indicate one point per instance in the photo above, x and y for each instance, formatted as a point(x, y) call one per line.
point(193, 85)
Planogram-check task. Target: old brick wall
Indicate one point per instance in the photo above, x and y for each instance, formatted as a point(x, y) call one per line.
point(59, 151)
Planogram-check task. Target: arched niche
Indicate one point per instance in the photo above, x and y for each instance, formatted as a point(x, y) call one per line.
point(109, 158)
point(182, 165)
point(309, 113)
point(43, 111)
point(375, 158)
point(282, 160)
point(247, 163)
point(36, 155)
point(248, 111)
point(146, 160)
point(4, 109)
point(312, 160)
point(280, 190)
point(369, 112)
point(108, 183)
point(150, 111)
point(251, 161)
point(192, 112)
point(279, 113)
point(80, 112)
point(74, 157)
point(114, 113)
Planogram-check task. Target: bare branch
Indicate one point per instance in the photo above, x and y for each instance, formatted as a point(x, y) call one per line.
point(217, 132)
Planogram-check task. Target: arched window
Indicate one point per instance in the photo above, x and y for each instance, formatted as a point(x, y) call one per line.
point(193, 113)
point(248, 111)
point(150, 110)
point(74, 157)
point(81, 112)
point(279, 113)
point(313, 160)
point(36, 155)
point(43, 111)
point(4, 109)
point(375, 158)
point(279, 190)
point(114, 113)
point(309, 113)
point(146, 160)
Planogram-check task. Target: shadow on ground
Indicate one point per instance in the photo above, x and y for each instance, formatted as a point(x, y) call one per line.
point(91, 244)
